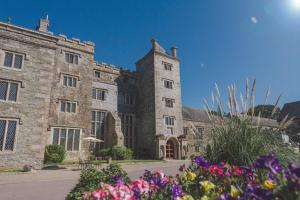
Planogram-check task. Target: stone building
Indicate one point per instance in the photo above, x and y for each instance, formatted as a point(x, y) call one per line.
point(292, 109)
point(53, 92)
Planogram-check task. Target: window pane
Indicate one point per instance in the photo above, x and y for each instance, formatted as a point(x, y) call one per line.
point(18, 61)
point(74, 82)
point(13, 90)
point(94, 93)
point(68, 107)
point(76, 140)
point(69, 81)
point(67, 57)
point(93, 129)
point(2, 132)
point(63, 137)
point(55, 136)
point(8, 59)
point(65, 81)
point(70, 139)
point(73, 108)
point(93, 115)
point(75, 59)
point(3, 90)
point(99, 94)
point(63, 106)
point(10, 136)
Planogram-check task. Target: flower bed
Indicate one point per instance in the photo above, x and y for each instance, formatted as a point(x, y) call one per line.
point(264, 179)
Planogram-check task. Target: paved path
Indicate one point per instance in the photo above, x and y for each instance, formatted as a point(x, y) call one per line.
point(55, 184)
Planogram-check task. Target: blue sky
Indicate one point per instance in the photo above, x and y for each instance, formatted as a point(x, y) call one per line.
point(219, 41)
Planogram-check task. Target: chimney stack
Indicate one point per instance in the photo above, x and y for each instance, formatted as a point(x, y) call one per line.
point(154, 44)
point(43, 25)
point(174, 51)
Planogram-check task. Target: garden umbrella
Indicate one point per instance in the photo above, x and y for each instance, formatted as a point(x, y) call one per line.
point(92, 139)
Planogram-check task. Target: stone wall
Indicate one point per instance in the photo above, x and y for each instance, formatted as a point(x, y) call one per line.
point(32, 105)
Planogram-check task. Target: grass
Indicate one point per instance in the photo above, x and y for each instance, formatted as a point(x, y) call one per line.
point(7, 170)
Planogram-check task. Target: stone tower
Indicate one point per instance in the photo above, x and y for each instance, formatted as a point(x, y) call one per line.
point(159, 110)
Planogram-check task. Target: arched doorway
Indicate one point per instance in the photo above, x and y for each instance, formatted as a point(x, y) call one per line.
point(170, 150)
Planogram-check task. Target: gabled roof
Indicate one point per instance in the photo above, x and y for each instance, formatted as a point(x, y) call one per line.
point(292, 109)
point(192, 114)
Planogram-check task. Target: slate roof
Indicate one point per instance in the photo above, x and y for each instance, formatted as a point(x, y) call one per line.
point(193, 114)
point(292, 109)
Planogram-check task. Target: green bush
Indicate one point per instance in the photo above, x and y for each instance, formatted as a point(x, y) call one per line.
point(121, 153)
point(105, 152)
point(54, 154)
point(90, 178)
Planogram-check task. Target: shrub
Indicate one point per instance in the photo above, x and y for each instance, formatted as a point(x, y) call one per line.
point(105, 152)
point(90, 178)
point(121, 153)
point(54, 154)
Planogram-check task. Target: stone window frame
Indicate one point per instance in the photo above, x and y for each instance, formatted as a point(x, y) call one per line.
point(69, 76)
point(185, 130)
point(14, 52)
point(95, 91)
point(129, 140)
point(74, 55)
point(71, 103)
point(97, 71)
point(103, 122)
point(169, 120)
point(170, 100)
point(169, 84)
point(129, 99)
point(20, 85)
point(167, 66)
point(67, 132)
point(201, 133)
point(18, 122)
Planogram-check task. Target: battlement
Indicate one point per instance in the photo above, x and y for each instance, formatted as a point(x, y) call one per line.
point(43, 34)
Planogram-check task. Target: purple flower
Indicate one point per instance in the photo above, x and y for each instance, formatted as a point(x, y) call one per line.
point(182, 167)
point(294, 169)
point(268, 162)
point(118, 179)
point(201, 162)
point(226, 196)
point(176, 191)
point(255, 192)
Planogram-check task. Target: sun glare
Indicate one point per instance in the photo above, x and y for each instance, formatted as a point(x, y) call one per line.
point(295, 4)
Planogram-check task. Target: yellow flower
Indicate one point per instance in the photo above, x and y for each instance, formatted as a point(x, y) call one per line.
point(234, 192)
point(269, 184)
point(207, 185)
point(204, 198)
point(191, 176)
point(187, 197)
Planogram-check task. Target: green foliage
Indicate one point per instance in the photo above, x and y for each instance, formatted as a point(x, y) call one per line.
point(121, 153)
point(266, 111)
point(105, 152)
point(90, 178)
point(237, 142)
point(54, 154)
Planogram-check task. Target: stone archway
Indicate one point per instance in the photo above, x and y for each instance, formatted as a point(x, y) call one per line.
point(172, 149)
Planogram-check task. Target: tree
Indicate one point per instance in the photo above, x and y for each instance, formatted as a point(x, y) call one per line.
point(266, 111)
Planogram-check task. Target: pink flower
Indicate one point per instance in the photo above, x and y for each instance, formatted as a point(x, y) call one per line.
point(120, 192)
point(99, 195)
point(142, 185)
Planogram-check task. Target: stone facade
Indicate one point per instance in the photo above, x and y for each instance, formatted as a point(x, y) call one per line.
point(53, 92)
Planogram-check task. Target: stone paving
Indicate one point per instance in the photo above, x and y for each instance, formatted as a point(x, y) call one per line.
point(55, 184)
